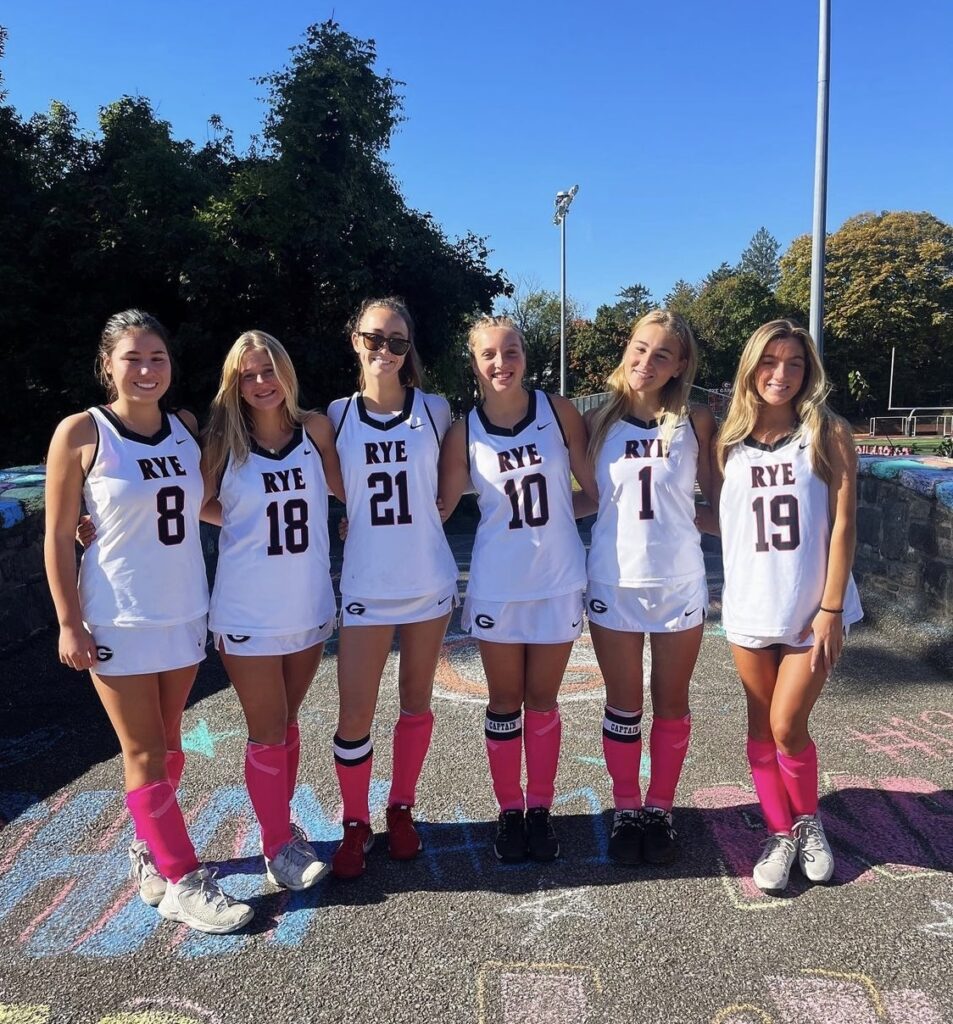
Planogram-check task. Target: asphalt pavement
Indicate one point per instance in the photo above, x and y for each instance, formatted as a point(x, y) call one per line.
point(454, 936)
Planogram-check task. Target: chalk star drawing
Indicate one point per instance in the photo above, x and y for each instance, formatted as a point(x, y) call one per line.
point(201, 740)
point(942, 928)
point(545, 908)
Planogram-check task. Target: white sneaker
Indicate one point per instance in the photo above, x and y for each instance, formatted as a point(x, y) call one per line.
point(197, 900)
point(295, 866)
point(143, 871)
point(774, 865)
point(814, 856)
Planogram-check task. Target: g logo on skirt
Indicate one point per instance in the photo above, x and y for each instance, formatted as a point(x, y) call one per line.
point(356, 608)
point(597, 606)
point(103, 653)
point(484, 621)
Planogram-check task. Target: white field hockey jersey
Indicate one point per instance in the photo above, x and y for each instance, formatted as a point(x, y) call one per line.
point(645, 531)
point(395, 544)
point(527, 546)
point(775, 533)
point(144, 495)
point(274, 570)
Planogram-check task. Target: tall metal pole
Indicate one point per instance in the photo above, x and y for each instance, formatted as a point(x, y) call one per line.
point(562, 307)
point(563, 202)
point(820, 176)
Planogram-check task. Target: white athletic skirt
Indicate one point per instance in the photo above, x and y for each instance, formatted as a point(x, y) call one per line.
point(140, 650)
point(374, 611)
point(549, 620)
point(262, 646)
point(648, 609)
point(758, 643)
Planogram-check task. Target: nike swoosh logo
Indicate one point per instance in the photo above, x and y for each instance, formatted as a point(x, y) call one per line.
point(692, 612)
point(417, 426)
point(307, 451)
point(576, 623)
point(802, 446)
point(542, 426)
point(323, 624)
point(445, 599)
point(184, 439)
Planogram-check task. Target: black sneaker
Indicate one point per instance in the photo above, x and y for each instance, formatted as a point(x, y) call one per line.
point(625, 842)
point(659, 839)
point(510, 843)
point(541, 840)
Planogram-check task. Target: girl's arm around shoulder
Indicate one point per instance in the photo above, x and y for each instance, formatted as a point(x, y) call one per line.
point(190, 421)
point(577, 440)
point(319, 428)
point(70, 455)
point(705, 429)
point(454, 469)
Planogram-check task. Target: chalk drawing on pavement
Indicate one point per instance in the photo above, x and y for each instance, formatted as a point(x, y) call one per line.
point(547, 906)
point(201, 740)
point(930, 734)
point(460, 678)
point(942, 929)
point(820, 996)
point(549, 993)
point(893, 828)
point(157, 1011)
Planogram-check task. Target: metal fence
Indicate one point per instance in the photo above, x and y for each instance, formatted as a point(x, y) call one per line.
point(717, 401)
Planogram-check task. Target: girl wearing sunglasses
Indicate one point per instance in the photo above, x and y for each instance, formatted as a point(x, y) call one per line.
point(398, 575)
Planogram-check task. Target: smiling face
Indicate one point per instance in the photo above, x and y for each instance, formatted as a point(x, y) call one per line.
point(652, 358)
point(779, 375)
point(258, 383)
point(499, 360)
point(383, 323)
point(139, 367)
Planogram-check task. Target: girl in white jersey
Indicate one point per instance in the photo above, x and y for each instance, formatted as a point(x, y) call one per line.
point(787, 511)
point(269, 465)
point(398, 573)
point(527, 573)
point(137, 619)
point(647, 573)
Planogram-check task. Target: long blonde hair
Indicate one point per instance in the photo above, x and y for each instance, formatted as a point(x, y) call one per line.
point(411, 371)
point(230, 424)
point(488, 322)
point(674, 396)
point(810, 403)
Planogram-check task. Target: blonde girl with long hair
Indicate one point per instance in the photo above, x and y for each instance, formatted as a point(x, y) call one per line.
point(787, 511)
point(527, 573)
point(268, 466)
point(399, 575)
point(648, 447)
point(136, 619)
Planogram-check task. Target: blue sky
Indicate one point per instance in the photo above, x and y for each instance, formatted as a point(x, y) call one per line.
point(687, 124)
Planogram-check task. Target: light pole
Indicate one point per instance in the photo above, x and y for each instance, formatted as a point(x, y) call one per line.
point(819, 237)
point(563, 202)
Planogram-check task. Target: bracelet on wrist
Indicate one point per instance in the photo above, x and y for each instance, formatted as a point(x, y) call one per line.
point(832, 611)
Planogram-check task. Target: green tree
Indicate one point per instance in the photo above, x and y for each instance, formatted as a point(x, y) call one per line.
point(888, 282)
point(681, 299)
point(537, 314)
point(761, 259)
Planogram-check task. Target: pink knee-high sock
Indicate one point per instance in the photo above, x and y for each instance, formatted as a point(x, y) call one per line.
point(799, 775)
point(293, 752)
point(353, 760)
point(542, 735)
point(622, 749)
point(160, 824)
point(174, 766)
point(504, 751)
point(411, 742)
point(773, 797)
point(668, 744)
point(266, 776)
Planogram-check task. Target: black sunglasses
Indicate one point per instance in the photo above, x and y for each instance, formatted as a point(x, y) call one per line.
point(375, 342)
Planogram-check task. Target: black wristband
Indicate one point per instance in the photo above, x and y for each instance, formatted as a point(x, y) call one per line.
point(832, 611)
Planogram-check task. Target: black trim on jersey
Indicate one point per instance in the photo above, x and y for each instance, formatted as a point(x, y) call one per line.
point(190, 431)
point(750, 442)
point(130, 435)
point(559, 422)
point(644, 424)
point(297, 436)
point(92, 461)
point(491, 428)
point(436, 433)
point(395, 421)
point(221, 475)
point(466, 421)
point(340, 425)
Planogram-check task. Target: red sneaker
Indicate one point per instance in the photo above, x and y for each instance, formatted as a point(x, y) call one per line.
point(348, 859)
point(402, 838)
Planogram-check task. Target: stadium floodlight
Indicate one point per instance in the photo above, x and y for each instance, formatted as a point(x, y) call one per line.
point(563, 202)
